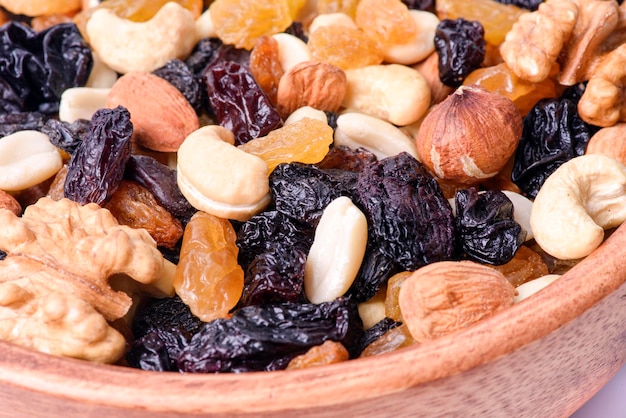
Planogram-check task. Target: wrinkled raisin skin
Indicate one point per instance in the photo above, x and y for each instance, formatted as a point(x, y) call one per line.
point(97, 167)
point(177, 73)
point(461, 47)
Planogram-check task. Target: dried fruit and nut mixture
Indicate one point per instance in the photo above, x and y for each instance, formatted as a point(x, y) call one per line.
point(241, 185)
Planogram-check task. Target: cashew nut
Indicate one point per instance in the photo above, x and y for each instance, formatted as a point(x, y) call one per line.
point(581, 199)
point(101, 76)
point(392, 92)
point(383, 139)
point(218, 178)
point(418, 48)
point(81, 103)
point(337, 251)
point(26, 159)
point(291, 50)
point(142, 46)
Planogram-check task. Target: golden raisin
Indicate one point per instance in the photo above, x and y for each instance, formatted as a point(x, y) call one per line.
point(40, 23)
point(394, 339)
point(295, 7)
point(242, 22)
point(337, 6)
point(134, 205)
point(386, 21)
point(392, 308)
point(306, 141)
point(496, 18)
point(344, 47)
point(265, 66)
point(526, 265)
point(330, 352)
point(208, 278)
point(500, 79)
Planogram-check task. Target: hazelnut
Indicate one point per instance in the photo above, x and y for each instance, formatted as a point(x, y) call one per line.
point(470, 135)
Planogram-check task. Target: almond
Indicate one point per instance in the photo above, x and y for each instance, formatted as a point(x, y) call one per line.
point(162, 117)
point(311, 83)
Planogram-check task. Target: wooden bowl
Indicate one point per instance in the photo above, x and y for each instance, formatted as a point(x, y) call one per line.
point(544, 357)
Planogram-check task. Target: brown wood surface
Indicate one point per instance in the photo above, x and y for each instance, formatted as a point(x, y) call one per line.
point(543, 357)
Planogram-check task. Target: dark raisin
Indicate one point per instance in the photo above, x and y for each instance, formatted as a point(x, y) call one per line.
point(524, 4)
point(158, 350)
point(180, 76)
point(37, 67)
point(376, 331)
point(485, 226)
point(209, 51)
point(376, 268)
point(160, 180)
point(426, 5)
point(553, 133)
point(165, 314)
point(66, 136)
point(461, 47)
point(348, 159)
point(21, 121)
point(302, 191)
point(3, 255)
point(239, 103)
point(267, 337)
point(408, 215)
point(97, 167)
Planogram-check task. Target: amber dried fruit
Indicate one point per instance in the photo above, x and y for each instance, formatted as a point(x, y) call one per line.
point(496, 18)
point(344, 47)
point(133, 205)
point(208, 277)
point(392, 308)
point(386, 21)
point(40, 23)
point(330, 352)
point(306, 141)
point(526, 265)
point(337, 6)
point(242, 22)
point(500, 79)
point(265, 66)
point(394, 339)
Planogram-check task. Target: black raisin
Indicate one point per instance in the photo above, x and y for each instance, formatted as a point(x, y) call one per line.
point(158, 350)
point(297, 29)
point(180, 76)
point(67, 136)
point(376, 268)
point(485, 226)
point(376, 331)
point(239, 103)
point(426, 5)
point(524, 4)
point(267, 337)
point(461, 47)
point(165, 314)
point(97, 167)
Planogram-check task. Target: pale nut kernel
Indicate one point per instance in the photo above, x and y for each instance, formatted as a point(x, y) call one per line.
point(446, 296)
point(101, 76)
point(357, 130)
point(337, 251)
point(218, 178)
point(470, 136)
point(204, 26)
point(40, 7)
point(305, 112)
point(609, 141)
point(576, 203)
point(418, 48)
point(395, 93)
point(128, 46)
point(529, 288)
point(161, 116)
point(26, 159)
point(291, 50)
point(81, 103)
point(311, 83)
point(372, 311)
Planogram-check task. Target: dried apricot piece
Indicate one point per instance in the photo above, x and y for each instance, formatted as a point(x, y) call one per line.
point(496, 18)
point(208, 278)
point(386, 21)
point(344, 47)
point(526, 265)
point(330, 352)
point(306, 141)
point(394, 284)
point(265, 66)
point(242, 22)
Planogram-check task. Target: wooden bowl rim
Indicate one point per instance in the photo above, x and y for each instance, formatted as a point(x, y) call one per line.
point(586, 284)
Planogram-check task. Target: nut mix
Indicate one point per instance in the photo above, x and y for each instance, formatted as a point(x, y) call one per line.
point(234, 185)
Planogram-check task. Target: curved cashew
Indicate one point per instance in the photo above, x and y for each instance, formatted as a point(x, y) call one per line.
point(128, 46)
point(218, 178)
point(291, 50)
point(581, 199)
point(392, 92)
point(418, 48)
